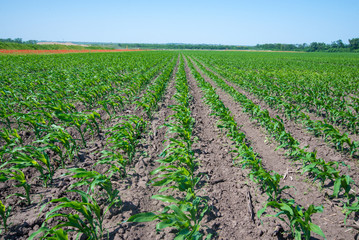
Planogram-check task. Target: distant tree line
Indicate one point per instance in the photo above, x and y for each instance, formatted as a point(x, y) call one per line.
point(17, 40)
point(181, 46)
point(336, 46)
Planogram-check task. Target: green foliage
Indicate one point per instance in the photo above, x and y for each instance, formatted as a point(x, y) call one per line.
point(32, 45)
point(269, 182)
point(35, 157)
point(60, 142)
point(337, 46)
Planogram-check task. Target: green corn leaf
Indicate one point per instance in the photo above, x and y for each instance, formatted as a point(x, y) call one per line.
point(143, 217)
point(183, 234)
point(337, 185)
point(165, 224)
point(60, 235)
point(165, 198)
point(316, 229)
point(179, 213)
point(42, 229)
point(162, 168)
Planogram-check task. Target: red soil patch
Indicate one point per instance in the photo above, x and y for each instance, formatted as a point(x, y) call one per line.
point(15, 51)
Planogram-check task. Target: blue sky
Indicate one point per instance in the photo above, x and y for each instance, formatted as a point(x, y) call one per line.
point(215, 22)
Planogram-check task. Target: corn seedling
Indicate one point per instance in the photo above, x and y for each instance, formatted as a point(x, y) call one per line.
point(94, 179)
point(4, 213)
point(184, 216)
point(299, 219)
point(87, 219)
point(19, 177)
point(115, 160)
point(126, 135)
point(37, 158)
point(350, 208)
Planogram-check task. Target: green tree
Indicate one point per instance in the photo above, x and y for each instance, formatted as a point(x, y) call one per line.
point(31, 42)
point(340, 43)
point(354, 43)
point(18, 40)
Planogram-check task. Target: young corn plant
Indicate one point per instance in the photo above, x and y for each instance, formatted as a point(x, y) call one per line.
point(115, 102)
point(126, 135)
point(30, 156)
point(51, 234)
point(147, 108)
point(269, 182)
point(11, 140)
point(350, 208)
point(179, 173)
point(185, 216)
point(343, 182)
point(19, 177)
point(86, 221)
point(114, 159)
point(93, 179)
point(92, 119)
point(61, 143)
point(6, 117)
point(77, 120)
point(298, 219)
point(5, 214)
point(35, 122)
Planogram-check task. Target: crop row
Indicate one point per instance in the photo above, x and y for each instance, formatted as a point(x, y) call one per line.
point(299, 218)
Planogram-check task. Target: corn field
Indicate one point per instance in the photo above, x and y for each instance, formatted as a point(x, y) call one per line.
point(179, 145)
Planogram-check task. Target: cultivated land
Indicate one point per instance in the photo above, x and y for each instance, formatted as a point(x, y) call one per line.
point(201, 144)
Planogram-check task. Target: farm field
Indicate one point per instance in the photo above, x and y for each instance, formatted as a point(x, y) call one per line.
point(179, 145)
